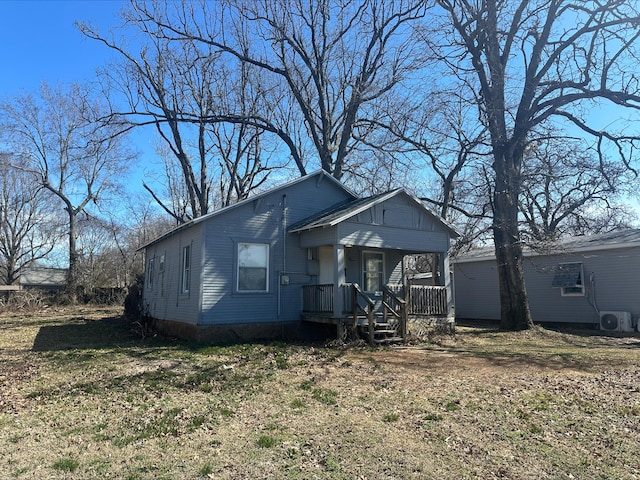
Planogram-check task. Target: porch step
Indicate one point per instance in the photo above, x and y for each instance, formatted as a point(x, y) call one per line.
point(377, 325)
point(380, 326)
point(388, 340)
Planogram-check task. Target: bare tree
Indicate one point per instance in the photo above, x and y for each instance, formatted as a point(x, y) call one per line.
point(71, 154)
point(444, 149)
point(28, 230)
point(199, 107)
point(535, 62)
point(331, 59)
point(567, 190)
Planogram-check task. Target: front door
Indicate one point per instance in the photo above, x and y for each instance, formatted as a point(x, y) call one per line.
point(372, 272)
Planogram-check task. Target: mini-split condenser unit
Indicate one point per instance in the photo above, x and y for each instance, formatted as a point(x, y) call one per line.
point(616, 321)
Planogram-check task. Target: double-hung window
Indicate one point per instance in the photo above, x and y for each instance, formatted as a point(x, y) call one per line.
point(186, 269)
point(253, 267)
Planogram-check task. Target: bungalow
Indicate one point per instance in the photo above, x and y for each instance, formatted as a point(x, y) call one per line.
point(580, 280)
point(307, 253)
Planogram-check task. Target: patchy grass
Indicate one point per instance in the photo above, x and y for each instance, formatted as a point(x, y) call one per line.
point(66, 465)
point(82, 397)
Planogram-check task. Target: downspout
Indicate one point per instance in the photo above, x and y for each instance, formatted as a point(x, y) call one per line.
point(592, 281)
point(284, 252)
point(284, 234)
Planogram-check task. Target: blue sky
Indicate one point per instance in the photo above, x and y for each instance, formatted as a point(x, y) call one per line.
point(39, 42)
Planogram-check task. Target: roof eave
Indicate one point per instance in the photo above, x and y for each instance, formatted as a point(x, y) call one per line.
point(376, 201)
point(270, 191)
point(554, 252)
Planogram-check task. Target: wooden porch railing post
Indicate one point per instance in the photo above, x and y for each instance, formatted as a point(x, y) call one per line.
point(370, 312)
point(405, 309)
point(385, 301)
point(354, 306)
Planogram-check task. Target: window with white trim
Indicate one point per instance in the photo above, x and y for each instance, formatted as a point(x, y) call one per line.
point(569, 277)
point(253, 267)
point(372, 271)
point(186, 269)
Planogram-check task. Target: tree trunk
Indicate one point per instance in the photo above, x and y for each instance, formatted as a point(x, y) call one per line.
point(72, 275)
point(514, 305)
point(11, 276)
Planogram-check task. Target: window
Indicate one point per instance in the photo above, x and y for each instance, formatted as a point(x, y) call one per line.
point(253, 267)
point(186, 269)
point(373, 271)
point(570, 278)
point(161, 264)
point(150, 273)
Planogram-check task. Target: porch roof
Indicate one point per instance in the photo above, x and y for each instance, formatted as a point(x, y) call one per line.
point(344, 211)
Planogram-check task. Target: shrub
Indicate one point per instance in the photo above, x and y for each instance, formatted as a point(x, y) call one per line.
point(133, 300)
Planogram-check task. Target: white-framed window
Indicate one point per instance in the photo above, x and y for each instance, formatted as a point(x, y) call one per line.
point(150, 273)
point(372, 271)
point(569, 277)
point(186, 269)
point(253, 267)
point(161, 263)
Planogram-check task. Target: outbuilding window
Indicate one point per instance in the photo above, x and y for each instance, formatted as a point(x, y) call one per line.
point(570, 278)
point(253, 267)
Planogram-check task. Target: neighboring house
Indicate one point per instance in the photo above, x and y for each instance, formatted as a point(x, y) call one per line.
point(43, 278)
point(583, 280)
point(275, 264)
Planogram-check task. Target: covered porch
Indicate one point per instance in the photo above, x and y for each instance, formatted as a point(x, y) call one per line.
point(372, 296)
point(356, 262)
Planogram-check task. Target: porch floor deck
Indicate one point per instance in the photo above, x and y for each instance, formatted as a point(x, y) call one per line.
point(326, 318)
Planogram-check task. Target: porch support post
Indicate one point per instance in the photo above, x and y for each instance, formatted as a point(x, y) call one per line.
point(446, 281)
point(339, 279)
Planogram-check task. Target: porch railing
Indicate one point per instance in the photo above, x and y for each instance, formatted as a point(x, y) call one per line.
point(367, 310)
point(428, 300)
point(395, 306)
point(422, 300)
point(317, 298)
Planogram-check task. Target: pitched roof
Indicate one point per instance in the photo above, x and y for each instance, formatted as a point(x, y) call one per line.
point(583, 243)
point(43, 276)
point(320, 173)
point(346, 210)
point(337, 213)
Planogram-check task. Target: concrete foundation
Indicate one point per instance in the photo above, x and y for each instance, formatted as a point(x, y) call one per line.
point(245, 332)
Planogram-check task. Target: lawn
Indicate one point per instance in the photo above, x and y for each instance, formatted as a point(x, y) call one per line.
point(83, 396)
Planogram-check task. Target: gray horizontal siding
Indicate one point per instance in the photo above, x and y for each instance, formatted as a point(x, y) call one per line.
point(165, 299)
point(382, 236)
point(476, 290)
point(611, 281)
point(261, 222)
point(396, 223)
point(318, 237)
point(393, 267)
